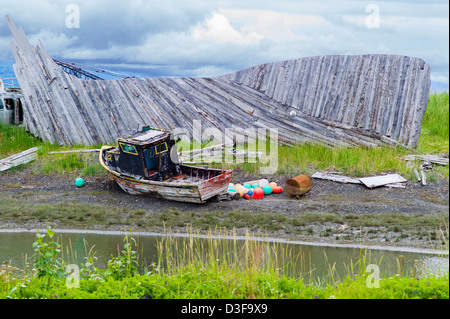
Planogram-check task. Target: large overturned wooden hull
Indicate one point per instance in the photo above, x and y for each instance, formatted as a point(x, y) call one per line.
point(349, 100)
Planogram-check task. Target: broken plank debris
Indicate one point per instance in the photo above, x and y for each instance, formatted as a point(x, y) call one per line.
point(376, 181)
point(436, 159)
point(18, 159)
point(336, 178)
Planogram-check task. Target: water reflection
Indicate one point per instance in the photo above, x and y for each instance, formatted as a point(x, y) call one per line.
point(310, 261)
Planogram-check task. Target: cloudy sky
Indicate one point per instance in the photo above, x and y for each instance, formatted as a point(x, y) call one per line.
point(209, 37)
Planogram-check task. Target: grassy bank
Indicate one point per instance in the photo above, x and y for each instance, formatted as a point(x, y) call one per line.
point(292, 160)
point(211, 269)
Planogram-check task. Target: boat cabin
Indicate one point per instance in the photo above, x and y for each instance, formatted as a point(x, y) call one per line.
point(149, 154)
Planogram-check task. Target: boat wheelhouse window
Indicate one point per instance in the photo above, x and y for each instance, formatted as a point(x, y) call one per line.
point(127, 148)
point(1, 105)
point(161, 148)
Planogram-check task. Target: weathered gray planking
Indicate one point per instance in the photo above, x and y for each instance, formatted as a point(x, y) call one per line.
point(361, 100)
point(18, 159)
point(376, 181)
point(336, 178)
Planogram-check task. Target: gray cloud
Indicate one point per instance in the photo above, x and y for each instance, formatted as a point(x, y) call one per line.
point(195, 37)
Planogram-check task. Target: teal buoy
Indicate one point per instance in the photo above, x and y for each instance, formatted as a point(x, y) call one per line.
point(79, 182)
point(267, 189)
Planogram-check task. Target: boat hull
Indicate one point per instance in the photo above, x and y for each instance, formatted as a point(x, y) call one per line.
point(190, 192)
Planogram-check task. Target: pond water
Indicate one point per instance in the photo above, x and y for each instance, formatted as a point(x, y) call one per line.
point(16, 249)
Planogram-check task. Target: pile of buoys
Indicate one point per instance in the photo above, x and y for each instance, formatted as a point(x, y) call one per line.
point(254, 189)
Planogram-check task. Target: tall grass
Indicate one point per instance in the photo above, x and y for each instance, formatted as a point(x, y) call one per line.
point(14, 139)
point(434, 137)
point(221, 250)
point(213, 267)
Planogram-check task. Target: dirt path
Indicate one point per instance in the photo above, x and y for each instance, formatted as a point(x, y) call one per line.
point(330, 212)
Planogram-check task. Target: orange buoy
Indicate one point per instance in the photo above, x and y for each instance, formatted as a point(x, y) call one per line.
point(278, 189)
point(297, 186)
point(273, 185)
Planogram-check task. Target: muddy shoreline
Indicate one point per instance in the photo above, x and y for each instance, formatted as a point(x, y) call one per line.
point(330, 213)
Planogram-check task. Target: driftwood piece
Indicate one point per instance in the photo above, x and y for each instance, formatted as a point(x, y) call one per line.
point(376, 181)
point(338, 100)
point(18, 159)
point(417, 175)
point(424, 177)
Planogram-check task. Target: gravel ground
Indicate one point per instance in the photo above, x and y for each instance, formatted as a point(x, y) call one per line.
point(325, 198)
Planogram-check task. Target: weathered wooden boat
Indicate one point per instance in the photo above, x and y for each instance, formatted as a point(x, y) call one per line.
point(146, 163)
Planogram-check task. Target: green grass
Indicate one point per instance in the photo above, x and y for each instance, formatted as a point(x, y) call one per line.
point(14, 139)
point(190, 268)
point(434, 136)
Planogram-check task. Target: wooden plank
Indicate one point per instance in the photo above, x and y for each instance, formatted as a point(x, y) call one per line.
point(18, 159)
point(336, 178)
point(376, 181)
point(77, 151)
point(436, 159)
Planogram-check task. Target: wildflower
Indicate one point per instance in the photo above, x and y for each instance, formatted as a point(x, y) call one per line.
point(315, 297)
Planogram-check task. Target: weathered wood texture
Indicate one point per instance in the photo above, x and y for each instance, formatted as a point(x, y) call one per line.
point(436, 159)
point(363, 100)
point(18, 159)
point(376, 181)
